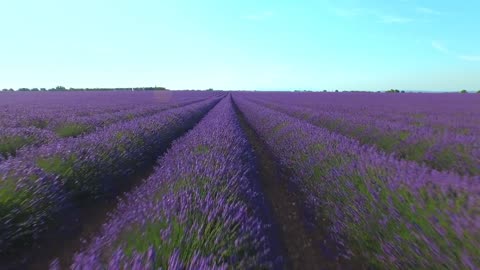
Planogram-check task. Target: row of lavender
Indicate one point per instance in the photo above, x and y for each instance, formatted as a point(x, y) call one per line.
point(453, 147)
point(455, 113)
point(55, 119)
point(93, 102)
point(390, 213)
point(198, 210)
point(38, 109)
point(13, 139)
point(40, 182)
point(36, 128)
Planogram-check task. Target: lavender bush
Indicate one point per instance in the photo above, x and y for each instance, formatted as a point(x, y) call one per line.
point(44, 124)
point(39, 109)
point(34, 185)
point(197, 210)
point(446, 141)
point(390, 213)
point(12, 139)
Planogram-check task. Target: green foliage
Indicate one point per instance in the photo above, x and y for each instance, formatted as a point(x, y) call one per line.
point(130, 116)
point(168, 234)
point(412, 233)
point(39, 123)
point(179, 237)
point(419, 230)
point(415, 151)
point(464, 91)
point(387, 143)
point(61, 167)
point(71, 130)
point(394, 91)
point(454, 156)
point(10, 196)
point(10, 145)
point(57, 165)
point(201, 149)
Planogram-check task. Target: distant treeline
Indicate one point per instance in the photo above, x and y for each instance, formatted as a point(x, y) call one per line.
point(61, 88)
point(336, 91)
point(387, 91)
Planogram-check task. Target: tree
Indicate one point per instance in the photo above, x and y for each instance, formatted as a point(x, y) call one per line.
point(464, 91)
point(58, 88)
point(394, 91)
point(23, 89)
point(478, 92)
point(43, 89)
point(34, 89)
point(4, 89)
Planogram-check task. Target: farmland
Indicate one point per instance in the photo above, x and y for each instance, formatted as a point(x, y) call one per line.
point(239, 180)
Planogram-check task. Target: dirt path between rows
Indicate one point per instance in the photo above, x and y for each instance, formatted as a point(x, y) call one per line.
point(302, 249)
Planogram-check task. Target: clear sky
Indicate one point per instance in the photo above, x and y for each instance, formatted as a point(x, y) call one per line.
point(247, 44)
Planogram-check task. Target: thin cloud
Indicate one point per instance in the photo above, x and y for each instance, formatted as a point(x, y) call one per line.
point(443, 49)
point(365, 12)
point(259, 16)
point(351, 12)
point(395, 19)
point(471, 58)
point(428, 11)
point(440, 47)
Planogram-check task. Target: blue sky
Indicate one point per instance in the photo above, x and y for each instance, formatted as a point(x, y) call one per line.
point(248, 44)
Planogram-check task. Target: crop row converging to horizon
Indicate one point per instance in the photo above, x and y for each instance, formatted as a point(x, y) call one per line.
point(383, 181)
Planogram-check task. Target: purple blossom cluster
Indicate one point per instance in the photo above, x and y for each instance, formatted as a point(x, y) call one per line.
point(429, 129)
point(12, 139)
point(74, 125)
point(24, 109)
point(41, 181)
point(198, 210)
point(455, 112)
point(390, 213)
point(44, 123)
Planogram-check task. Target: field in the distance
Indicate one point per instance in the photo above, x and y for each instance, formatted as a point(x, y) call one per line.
point(239, 180)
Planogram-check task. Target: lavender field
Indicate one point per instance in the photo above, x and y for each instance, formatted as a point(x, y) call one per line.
point(239, 180)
